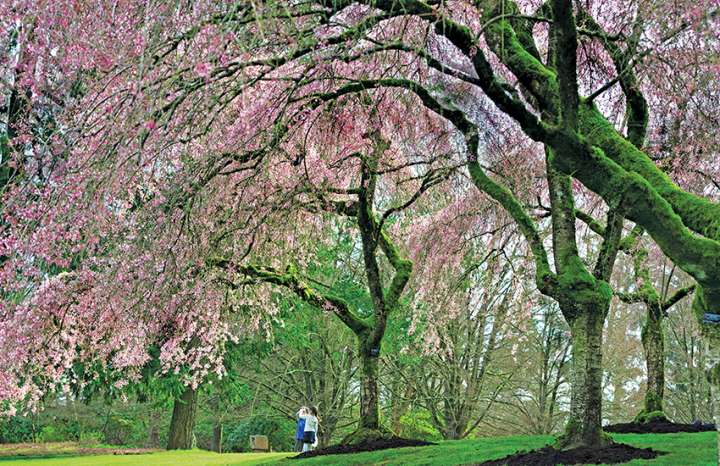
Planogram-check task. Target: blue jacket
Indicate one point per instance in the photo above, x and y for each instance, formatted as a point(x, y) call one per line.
point(300, 429)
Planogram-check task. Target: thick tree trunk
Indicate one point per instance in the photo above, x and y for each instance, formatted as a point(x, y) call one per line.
point(369, 428)
point(715, 393)
point(327, 431)
point(712, 372)
point(654, 349)
point(584, 427)
point(369, 408)
point(217, 438)
point(455, 430)
point(183, 421)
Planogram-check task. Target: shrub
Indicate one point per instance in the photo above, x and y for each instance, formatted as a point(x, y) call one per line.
point(91, 438)
point(416, 425)
point(120, 430)
point(50, 434)
point(653, 416)
point(60, 430)
point(16, 429)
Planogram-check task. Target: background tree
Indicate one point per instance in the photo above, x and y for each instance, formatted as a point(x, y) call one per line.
point(537, 402)
point(312, 361)
point(459, 379)
point(657, 304)
point(689, 396)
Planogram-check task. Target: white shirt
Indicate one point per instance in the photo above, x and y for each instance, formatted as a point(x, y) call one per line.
point(311, 423)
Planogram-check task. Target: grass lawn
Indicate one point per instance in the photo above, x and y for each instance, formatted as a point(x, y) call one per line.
point(684, 449)
point(165, 458)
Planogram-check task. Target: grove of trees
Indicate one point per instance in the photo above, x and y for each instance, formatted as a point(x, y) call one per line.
point(430, 217)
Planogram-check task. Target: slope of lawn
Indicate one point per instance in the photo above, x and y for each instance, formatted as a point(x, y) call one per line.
point(684, 449)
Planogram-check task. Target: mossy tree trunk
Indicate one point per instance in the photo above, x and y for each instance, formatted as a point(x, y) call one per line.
point(653, 342)
point(385, 294)
point(369, 395)
point(652, 336)
point(712, 371)
point(183, 421)
point(584, 427)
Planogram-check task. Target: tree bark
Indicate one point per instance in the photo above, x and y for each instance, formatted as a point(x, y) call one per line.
point(217, 438)
point(654, 348)
point(455, 429)
point(369, 427)
point(153, 440)
point(584, 427)
point(712, 372)
point(715, 389)
point(369, 400)
point(183, 421)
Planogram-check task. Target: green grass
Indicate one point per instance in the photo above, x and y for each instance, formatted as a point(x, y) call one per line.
point(165, 458)
point(445, 453)
point(684, 449)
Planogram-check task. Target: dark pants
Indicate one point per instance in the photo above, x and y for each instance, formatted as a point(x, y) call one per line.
point(298, 445)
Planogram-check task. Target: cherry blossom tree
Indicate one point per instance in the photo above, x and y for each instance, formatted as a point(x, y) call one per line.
point(196, 118)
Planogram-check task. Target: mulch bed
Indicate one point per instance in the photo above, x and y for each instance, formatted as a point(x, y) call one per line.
point(128, 451)
point(29, 450)
point(548, 456)
point(372, 445)
point(657, 427)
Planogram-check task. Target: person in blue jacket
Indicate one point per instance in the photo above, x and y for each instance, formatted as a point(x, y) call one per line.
point(300, 431)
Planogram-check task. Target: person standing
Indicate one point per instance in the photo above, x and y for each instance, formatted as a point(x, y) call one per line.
point(300, 431)
point(310, 438)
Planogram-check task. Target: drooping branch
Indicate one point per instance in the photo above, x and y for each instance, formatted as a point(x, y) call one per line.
point(697, 213)
point(482, 181)
point(640, 203)
point(539, 80)
point(292, 281)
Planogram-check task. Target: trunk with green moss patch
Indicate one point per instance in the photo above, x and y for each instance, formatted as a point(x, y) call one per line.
point(654, 349)
point(369, 427)
point(584, 426)
point(369, 399)
point(712, 371)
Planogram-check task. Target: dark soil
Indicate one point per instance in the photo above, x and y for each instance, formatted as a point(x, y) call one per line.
point(657, 427)
point(370, 445)
point(548, 456)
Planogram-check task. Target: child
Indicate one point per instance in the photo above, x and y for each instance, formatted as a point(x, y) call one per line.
point(300, 432)
point(311, 427)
